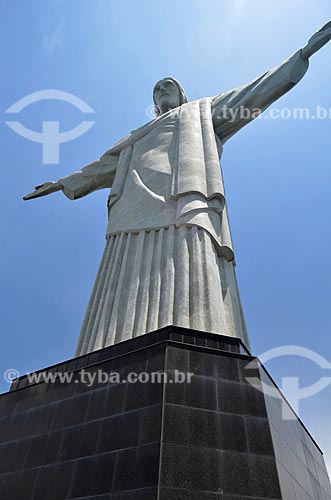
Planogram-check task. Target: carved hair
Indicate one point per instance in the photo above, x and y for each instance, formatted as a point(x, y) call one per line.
point(182, 95)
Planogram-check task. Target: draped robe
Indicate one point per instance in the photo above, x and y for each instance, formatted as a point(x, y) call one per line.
point(169, 256)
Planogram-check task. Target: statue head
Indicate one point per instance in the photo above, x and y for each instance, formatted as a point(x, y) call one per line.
point(168, 94)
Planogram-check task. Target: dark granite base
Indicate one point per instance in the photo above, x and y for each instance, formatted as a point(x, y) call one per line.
point(216, 438)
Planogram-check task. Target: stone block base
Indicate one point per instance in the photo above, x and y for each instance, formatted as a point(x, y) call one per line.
point(209, 436)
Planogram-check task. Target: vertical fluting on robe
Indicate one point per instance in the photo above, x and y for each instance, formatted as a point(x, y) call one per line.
point(166, 175)
point(151, 279)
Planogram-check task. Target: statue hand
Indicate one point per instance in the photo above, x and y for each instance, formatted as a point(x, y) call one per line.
point(43, 190)
point(317, 41)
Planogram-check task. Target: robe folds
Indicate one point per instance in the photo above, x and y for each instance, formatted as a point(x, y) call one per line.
point(169, 257)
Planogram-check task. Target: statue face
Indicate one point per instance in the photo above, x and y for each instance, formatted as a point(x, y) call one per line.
point(166, 95)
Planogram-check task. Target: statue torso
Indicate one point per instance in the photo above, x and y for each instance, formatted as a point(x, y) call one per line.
point(145, 201)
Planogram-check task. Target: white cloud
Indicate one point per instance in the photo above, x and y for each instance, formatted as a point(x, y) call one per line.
point(54, 40)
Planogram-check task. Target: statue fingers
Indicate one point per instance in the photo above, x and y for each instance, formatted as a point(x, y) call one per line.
point(40, 190)
point(44, 185)
point(29, 196)
point(326, 26)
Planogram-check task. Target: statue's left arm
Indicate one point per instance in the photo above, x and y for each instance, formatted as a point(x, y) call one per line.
point(97, 175)
point(234, 109)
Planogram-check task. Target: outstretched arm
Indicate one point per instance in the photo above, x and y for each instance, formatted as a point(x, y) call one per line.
point(43, 190)
point(234, 109)
point(317, 41)
point(97, 175)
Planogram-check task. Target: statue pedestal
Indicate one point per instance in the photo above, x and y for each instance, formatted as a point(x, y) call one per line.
point(214, 437)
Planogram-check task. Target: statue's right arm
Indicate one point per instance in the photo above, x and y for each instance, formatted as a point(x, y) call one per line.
point(97, 175)
point(234, 109)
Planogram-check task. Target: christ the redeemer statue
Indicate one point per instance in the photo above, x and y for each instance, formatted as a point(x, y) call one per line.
point(169, 257)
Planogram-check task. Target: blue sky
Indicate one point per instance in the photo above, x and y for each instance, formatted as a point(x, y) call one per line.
point(277, 172)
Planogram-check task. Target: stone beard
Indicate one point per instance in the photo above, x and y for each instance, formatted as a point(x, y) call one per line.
point(169, 256)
